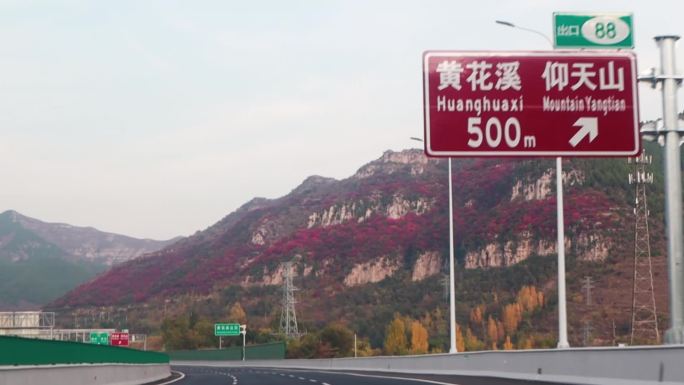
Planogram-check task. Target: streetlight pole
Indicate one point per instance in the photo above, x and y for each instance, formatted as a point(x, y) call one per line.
point(673, 188)
point(452, 290)
point(670, 136)
point(560, 226)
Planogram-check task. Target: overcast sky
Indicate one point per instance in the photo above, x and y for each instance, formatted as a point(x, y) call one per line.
point(158, 118)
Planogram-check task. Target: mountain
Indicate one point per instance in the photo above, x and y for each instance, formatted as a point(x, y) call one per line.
point(376, 243)
point(41, 261)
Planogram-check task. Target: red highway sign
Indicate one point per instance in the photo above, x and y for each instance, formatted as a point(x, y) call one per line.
point(119, 339)
point(531, 104)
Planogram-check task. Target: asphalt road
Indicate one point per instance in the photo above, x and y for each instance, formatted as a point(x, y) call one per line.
point(206, 375)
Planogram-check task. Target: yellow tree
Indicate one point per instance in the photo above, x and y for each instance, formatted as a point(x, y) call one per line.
point(492, 330)
point(507, 344)
point(419, 338)
point(511, 317)
point(460, 343)
point(237, 314)
point(525, 343)
point(395, 337)
point(529, 298)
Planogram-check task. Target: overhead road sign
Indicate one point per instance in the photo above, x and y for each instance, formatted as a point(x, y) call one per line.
point(530, 104)
point(593, 30)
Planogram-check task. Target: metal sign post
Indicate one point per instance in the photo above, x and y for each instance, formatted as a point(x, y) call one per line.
point(532, 104)
point(243, 331)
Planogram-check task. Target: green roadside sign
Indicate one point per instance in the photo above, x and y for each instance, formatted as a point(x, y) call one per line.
point(224, 329)
point(584, 30)
point(98, 338)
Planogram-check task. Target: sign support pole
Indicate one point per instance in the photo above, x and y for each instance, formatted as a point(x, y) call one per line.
point(673, 189)
point(560, 230)
point(562, 309)
point(243, 345)
point(452, 290)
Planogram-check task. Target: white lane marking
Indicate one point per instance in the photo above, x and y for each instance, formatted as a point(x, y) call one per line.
point(182, 376)
point(235, 380)
point(312, 380)
point(291, 376)
point(302, 378)
point(388, 377)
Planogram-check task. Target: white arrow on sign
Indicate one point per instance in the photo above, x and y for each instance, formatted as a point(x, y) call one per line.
point(589, 126)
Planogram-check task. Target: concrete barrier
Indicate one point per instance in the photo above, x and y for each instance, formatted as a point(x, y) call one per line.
point(663, 365)
point(85, 374)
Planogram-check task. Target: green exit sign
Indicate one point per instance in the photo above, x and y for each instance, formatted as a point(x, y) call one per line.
point(98, 338)
point(226, 329)
point(583, 30)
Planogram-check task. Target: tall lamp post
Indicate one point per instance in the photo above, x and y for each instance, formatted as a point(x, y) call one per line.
point(452, 291)
point(562, 308)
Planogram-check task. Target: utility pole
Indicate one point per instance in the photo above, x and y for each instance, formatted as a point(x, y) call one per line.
point(670, 136)
point(587, 286)
point(354, 345)
point(644, 316)
point(586, 331)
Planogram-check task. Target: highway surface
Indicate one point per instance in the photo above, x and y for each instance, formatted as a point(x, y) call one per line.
point(206, 375)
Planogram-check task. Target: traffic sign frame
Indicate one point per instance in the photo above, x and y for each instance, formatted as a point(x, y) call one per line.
point(226, 329)
point(631, 83)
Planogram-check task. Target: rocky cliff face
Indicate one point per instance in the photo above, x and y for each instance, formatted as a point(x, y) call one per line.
point(372, 271)
point(428, 264)
point(389, 219)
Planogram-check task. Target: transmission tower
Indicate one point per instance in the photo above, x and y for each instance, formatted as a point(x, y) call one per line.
point(288, 317)
point(644, 316)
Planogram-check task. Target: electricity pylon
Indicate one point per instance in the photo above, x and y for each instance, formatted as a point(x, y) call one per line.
point(288, 316)
point(644, 316)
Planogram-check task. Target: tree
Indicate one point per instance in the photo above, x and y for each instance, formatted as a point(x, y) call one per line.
point(476, 315)
point(339, 338)
point(364, 348)
point(304, 347)
point(205, 333)
point(530, 299)
point(237, 314)
point(471, 341)
point(395, 337)
point(507, 344)
point(525, 343)
point(419, 338)
point(177, 334)
point(460, 342)
point(492, 330)
point(512, 315)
